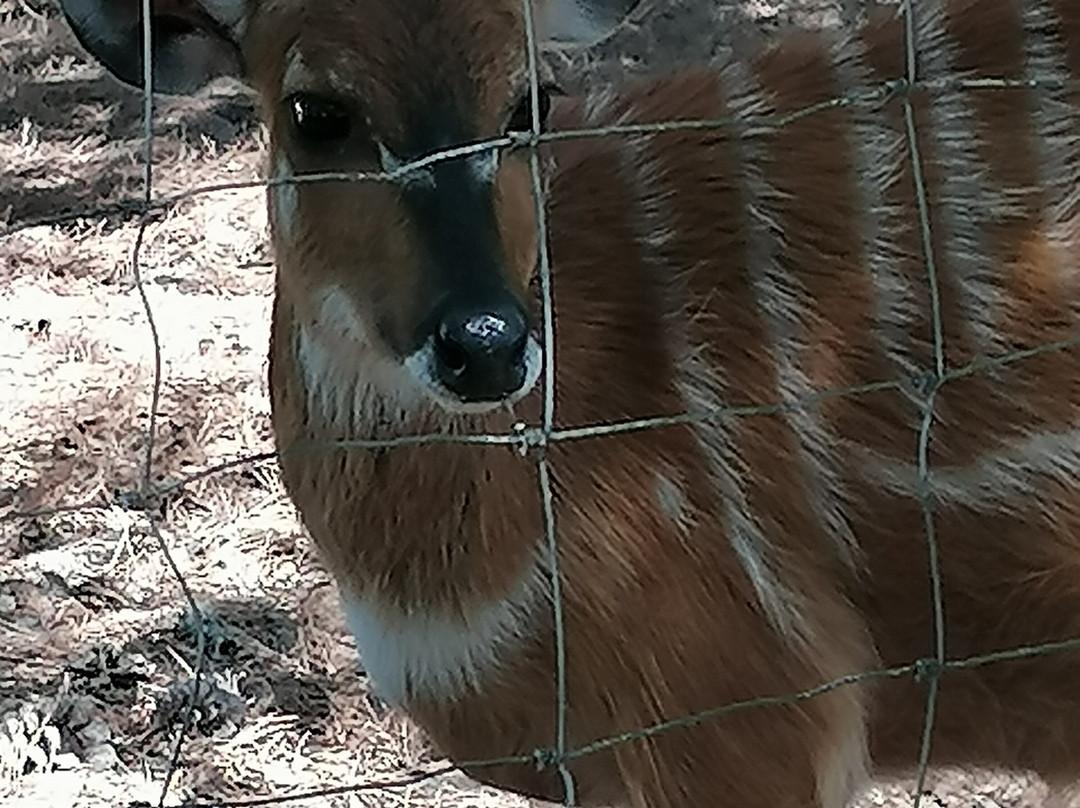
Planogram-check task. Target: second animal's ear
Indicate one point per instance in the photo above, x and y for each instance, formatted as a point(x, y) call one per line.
point(193, 41)
point(581, 21)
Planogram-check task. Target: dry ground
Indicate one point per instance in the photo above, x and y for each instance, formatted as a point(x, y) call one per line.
point(97, 639)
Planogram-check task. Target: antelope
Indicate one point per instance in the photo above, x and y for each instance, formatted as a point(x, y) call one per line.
point(923, 233)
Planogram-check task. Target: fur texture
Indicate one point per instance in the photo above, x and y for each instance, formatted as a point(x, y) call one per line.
point(736, 557)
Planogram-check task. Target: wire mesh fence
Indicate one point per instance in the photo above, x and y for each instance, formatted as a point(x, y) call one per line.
point(532, 439)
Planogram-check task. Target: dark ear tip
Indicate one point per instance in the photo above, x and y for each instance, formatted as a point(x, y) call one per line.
point(121, 56)
point(113, 41)
point(189, 51)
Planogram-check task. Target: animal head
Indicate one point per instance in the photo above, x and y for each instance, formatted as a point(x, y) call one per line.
point(420, 282)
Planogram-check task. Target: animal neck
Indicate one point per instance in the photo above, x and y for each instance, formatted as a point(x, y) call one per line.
point(444, 527)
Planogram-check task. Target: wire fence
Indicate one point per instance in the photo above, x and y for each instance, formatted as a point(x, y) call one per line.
point(532, 440)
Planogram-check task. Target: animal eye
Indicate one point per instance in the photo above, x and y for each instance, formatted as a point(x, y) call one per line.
point(319, 121)
point(521, 118)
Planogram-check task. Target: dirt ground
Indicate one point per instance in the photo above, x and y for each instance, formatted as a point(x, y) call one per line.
point(97, 637)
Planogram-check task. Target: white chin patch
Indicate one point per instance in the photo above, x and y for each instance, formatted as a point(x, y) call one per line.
point(421, 364)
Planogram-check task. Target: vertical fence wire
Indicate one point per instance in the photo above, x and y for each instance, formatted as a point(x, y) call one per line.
point(146, 496)
point(926, 393)
point(548, 416)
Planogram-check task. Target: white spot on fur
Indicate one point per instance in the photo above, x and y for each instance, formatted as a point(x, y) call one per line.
point(672, 500)
point(422, 654)
point(483, 166)
point(393, 165)
point(336, 312)
point(284, 199)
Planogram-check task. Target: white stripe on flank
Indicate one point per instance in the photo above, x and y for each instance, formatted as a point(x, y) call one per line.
point(881, 156)
point(968, 202)
point(783, 302)
point(1053, 114)
point(699, 384)
point(1010, 475)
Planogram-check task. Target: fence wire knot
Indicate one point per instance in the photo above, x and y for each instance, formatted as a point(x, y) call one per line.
point(521, 140)
point(528, 438)
point(896, 87)
point(928, 669)
point(547, 758)
point(927, 383)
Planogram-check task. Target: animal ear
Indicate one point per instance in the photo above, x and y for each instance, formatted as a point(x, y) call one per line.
point(581, 21)
point(193, 41)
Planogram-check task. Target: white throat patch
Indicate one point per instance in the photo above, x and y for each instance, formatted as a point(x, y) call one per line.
point(421, 654)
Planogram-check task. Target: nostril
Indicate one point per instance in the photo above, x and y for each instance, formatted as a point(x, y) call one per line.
point(449, 351)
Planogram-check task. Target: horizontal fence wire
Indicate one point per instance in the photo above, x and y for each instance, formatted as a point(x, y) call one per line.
point(872, 95)
point(534, 439)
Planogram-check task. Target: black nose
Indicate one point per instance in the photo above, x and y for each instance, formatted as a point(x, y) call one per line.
point(480, 353)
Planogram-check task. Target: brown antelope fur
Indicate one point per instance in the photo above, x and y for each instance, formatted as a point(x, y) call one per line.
point(735, 558)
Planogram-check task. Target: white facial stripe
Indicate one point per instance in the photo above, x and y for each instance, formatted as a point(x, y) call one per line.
point(347, 378)
point(285, 199)
point(297, 76)
point(483, 166)
point(337, 314)
point(392, 165)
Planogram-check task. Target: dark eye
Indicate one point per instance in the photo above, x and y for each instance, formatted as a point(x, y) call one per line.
point(521, 118)
point(319, 121)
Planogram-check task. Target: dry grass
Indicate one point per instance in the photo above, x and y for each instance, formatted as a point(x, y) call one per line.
point(97, 639)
